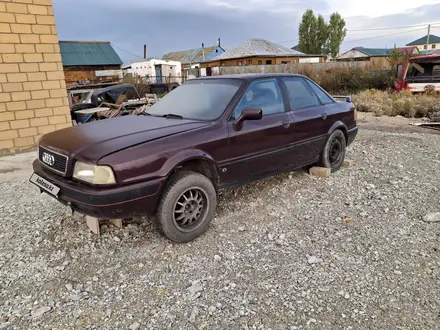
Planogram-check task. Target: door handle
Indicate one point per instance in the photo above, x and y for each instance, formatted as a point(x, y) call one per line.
point(324, 116)
point(287, 124)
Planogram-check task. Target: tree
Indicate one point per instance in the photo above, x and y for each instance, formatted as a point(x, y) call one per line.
point(397, 57)
point(308, 32)
point(322, 34)
point(336, 33)
point(318, 37)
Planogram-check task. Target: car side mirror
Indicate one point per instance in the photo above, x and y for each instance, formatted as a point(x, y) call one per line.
point(248, 114)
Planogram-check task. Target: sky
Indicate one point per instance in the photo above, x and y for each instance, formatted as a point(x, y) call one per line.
point(173, 25)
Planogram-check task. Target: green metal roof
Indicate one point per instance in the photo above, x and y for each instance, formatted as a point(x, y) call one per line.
point(75, 53)
point(384, 51)
point(374, 51)
point(422, 41)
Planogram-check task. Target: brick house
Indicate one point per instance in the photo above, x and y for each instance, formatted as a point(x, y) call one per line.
point(377, 57)
point(424, 48)
point(92, 61)
point(33, 95)
point(260, 52)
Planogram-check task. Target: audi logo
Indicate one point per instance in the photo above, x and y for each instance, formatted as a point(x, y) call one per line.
point(48, 159)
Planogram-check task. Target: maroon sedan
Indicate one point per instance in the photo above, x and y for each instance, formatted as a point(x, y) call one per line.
point(208, 135)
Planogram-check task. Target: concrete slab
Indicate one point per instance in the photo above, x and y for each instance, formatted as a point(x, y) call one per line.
point(322, 172)
point(17, 167)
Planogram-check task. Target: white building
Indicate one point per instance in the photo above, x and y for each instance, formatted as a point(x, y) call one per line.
point(426, 46)
point(125, 70)
point(159, 71)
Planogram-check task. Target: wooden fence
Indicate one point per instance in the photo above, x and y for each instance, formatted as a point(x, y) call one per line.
point(292, 68)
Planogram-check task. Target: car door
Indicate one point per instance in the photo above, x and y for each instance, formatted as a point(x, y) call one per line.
point(311, 122)
point(333, 108)
point(259, 146)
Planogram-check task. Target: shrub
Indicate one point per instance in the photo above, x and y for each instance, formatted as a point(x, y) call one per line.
point(333, 77)
point(347, 80)
point(394, 104)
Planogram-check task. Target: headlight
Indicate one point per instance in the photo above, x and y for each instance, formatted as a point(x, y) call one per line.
point(95, 174)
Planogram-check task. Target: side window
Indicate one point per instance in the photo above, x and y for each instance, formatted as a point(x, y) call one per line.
point(300, 94)
point(262, 94)
point(322, 96)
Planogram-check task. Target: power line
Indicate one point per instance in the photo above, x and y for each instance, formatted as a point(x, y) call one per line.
point(126, 51)
point(384, 35)
point(393, 28)
point(286, 41)
point(377, 29)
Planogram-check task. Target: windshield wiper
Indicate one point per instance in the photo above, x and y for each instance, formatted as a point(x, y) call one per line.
point(167, 116)
point(172, 116)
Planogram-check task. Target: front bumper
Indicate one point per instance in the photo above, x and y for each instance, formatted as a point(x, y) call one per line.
point(102, 202)
point(351, 134)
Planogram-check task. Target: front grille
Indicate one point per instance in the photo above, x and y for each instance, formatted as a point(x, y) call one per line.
point(52, 160)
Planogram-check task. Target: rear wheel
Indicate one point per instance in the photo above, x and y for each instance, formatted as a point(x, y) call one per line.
point(187, 206)
point(333, 154)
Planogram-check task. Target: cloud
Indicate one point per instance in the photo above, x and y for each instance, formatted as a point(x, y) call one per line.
point(171, 25)
point(417, 19)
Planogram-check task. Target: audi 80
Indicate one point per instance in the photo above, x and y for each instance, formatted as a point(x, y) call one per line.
point(208, 135)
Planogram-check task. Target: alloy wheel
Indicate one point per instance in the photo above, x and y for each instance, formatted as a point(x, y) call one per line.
point(190, 209)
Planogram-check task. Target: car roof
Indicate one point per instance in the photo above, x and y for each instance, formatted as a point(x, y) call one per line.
point(115, 88)
point(251, 76)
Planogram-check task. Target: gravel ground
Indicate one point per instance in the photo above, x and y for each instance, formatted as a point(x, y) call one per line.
point(291, 252)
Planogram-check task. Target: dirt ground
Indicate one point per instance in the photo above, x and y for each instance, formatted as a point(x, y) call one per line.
point(397, 124)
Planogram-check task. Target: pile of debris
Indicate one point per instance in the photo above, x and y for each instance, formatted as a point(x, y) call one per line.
point(102, 101)
point(426, 123)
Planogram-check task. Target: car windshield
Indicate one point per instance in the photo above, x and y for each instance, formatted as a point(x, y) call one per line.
point(204, 99)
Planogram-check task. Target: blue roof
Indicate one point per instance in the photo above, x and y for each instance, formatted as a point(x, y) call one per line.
point(372, 52)
point(433, 39)
point(194, 55)
point(429, 52)
point(74, 53)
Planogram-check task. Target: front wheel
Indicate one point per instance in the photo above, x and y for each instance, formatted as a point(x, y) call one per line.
point(333, 154)
point(187, 206)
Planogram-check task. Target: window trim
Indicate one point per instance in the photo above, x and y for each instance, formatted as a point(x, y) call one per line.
point(322, 89)
point(307, 87)
point(280, 88)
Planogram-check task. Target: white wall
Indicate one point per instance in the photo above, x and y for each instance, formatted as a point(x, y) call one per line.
point(309, 60)
point(422, 47)
point(148, 68)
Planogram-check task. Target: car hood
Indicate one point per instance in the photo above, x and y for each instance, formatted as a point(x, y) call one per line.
point(92, 141)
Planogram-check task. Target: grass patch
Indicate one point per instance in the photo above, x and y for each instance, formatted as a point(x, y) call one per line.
point(386, 103)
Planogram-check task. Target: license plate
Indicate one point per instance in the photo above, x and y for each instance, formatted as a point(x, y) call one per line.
point(44, 184)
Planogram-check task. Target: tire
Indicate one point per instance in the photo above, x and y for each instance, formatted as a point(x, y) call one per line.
point(333, 154)
point(176, 202)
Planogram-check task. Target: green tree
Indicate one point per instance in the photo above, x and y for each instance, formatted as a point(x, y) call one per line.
point(336, 34)
point(397, 57)
point(308, 32)
point(322, 34)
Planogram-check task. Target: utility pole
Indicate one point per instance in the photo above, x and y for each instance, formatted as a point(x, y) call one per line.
point(427, 39)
